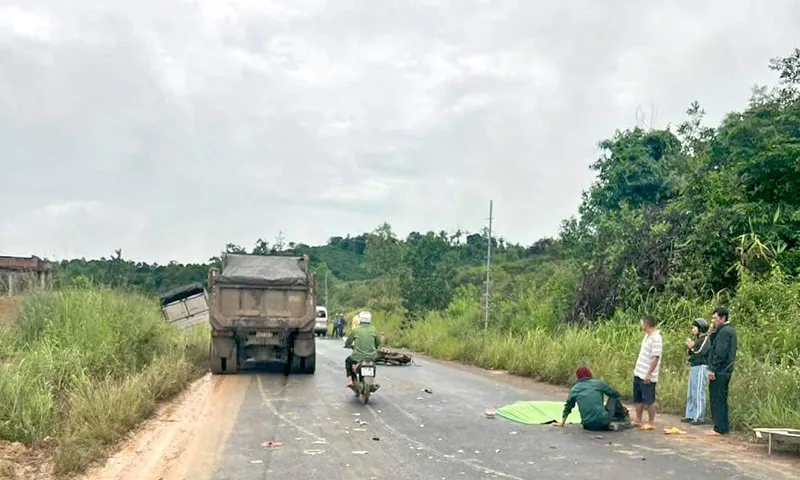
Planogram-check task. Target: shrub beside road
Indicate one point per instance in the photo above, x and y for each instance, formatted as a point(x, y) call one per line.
point(83, 366)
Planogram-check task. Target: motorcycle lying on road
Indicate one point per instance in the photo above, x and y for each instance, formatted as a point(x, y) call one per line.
point(364, 384)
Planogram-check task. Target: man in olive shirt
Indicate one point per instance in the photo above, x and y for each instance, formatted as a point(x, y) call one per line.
point(720, 368)
point(364, 341)
point(588, 393)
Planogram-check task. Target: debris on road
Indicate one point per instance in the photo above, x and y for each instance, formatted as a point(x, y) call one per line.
point(674, 431)
point(490, 413)
point(359, 452)
point(256, 461)
point(427, 390)
point(376, 438)
point(271, 444)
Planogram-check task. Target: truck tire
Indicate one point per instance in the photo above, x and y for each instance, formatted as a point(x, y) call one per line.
point(232, 362)
point(308, 365)
point(302, 365)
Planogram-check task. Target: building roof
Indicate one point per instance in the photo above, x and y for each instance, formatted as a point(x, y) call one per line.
point(23, 264)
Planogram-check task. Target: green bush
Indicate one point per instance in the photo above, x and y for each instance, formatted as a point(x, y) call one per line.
point(85, 365)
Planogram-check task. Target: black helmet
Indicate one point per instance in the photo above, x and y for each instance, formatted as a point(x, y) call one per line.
point(701, 324)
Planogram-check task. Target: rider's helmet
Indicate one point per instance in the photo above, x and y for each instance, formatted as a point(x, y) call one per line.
point(364, 317)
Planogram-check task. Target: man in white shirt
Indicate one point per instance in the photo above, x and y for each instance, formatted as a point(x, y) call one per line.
point(645, 375)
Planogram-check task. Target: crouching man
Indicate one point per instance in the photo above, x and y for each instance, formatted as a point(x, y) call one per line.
point(596, 415)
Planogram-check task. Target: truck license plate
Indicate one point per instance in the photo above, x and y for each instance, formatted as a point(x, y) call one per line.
point(367, 372)
point(263, 334)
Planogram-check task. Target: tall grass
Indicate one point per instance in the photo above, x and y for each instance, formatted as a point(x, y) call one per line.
point(532, 340)
point(84, 366)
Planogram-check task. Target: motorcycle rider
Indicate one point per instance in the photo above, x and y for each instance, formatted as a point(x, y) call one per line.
point(364, 341)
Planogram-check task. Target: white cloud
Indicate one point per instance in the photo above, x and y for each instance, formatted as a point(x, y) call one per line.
point(26, 24)
point(194, 124)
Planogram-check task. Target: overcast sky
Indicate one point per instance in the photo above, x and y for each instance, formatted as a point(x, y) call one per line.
point(168, 128)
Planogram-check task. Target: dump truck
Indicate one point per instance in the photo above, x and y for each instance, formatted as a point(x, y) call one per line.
point(185, 306)
point(263, 310)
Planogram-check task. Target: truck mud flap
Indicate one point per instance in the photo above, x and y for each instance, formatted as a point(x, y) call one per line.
point(304, 345)
point(223, 356)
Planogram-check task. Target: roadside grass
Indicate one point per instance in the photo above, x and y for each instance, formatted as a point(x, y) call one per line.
point(84, 366)
point(764, 392)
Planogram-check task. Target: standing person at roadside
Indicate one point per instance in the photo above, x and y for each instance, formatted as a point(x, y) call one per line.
point(645, 374)
point(720, 368)
point(699, 346)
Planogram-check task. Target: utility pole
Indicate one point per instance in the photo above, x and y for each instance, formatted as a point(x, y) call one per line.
point(488, 267)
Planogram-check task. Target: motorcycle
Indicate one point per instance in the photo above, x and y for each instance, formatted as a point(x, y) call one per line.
point(364, 384)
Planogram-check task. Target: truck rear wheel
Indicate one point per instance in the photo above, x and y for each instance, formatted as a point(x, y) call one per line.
point(308, 365)
point(231, 364)
point(302, 365)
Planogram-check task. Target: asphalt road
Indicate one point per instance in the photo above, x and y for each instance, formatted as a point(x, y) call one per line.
point(411, 434)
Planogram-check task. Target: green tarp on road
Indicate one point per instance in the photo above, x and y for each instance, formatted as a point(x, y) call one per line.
point(537, 412)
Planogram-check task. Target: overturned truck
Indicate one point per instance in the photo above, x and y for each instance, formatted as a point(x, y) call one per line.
point(185, 306)
point(262, 311)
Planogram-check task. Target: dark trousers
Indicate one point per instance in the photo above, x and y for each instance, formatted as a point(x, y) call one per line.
point(718, 396)
point(348, 365)
point(615, 412)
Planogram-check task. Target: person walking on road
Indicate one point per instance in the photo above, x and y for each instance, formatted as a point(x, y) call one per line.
point(588, 393)
point(699, 346)
point(722, 358)
point(645, 374)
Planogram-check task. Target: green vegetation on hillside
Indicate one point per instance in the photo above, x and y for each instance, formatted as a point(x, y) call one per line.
point(81, 367)
point(678, 221)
